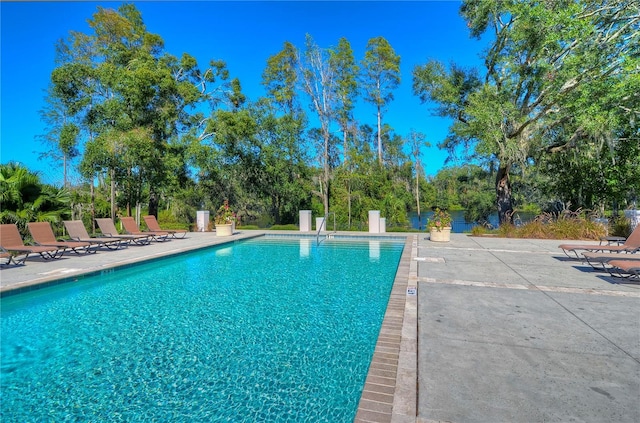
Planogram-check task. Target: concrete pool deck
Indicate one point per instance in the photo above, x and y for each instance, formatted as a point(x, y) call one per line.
point(511, 330)
point(476, 330)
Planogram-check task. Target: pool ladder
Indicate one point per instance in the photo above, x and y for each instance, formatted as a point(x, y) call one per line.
point(329, 235)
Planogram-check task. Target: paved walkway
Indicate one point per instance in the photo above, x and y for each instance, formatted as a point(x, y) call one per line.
point(513, 331)
point(507, 330)
point(38, 271)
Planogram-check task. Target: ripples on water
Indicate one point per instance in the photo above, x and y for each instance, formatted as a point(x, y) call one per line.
point(279, 331)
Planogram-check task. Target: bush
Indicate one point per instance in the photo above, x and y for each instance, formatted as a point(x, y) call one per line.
point(480, 230)
point(168, 220)
point(290, 227)
point(620, 226)
point(400, 229)
point(566, 225)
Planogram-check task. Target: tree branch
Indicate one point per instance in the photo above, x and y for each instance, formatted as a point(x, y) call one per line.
point(571, 142)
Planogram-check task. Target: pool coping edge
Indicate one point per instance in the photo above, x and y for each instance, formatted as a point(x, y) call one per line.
point(390, 391)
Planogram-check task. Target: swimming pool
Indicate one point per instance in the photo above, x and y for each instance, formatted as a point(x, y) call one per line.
point(259, 330)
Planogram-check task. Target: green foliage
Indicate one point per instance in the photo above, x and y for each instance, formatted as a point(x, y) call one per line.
point(380, 77)
point(280, 77)
point(25, 199)
point(289, 227)
point(399, 229)
point(620, 226)
point(381, 71)
point(439, 219)
point(225, 215)
point(595, 176)
point(468, 188)
point(127, 99)
point(346, 72)
point(552, 119)
point(170, 220)
point(556, 73)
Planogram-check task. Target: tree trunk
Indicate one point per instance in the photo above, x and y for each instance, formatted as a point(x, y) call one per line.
point(93, 208)
point(275, 209)
point(325, 200)
point(128, 184)
point(153, 203)
point(503, 195)
point(65, 183)
point(379, 135)
point(418, 199)
point(349, 201)
point(113, 194)
point(345, 147)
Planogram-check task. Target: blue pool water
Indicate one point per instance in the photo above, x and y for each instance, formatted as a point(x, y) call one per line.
point(259, 330)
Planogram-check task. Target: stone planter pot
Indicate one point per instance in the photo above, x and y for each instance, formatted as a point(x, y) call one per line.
point(224, 229)
point(442, 235)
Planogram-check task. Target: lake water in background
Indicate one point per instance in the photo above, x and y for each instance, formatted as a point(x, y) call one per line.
point(459, 224)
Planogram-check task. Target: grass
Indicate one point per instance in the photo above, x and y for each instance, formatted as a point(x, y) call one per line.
point(290, 227)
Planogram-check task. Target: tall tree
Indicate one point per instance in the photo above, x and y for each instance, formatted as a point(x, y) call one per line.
point(319, 83)
point(542, 56)
point(284, 179)
point(119, 78)
point(380, 76)
point(62, 135)
point(282, 122)
point(417, 141)
point(280, 79)
point(346, 72)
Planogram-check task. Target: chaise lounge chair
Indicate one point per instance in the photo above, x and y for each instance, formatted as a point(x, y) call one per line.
point(631, 245)
point(5, 257)
point(154, 226)
point(43, 235)
point(132, 228)
point(109, 230)
point(11, 241)
point(625, 268)
point(8, 258)
point(77, 232)
point(600, 260)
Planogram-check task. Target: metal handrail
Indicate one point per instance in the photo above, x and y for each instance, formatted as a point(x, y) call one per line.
point(323, 224)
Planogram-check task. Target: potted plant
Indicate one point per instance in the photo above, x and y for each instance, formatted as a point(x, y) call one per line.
point(225, 220)
point(440, 225)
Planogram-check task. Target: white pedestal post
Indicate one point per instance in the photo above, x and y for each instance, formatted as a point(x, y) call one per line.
point(374, 221)
point(321, 222)
point(305, 221)
point(202, 220)
point(383, 225)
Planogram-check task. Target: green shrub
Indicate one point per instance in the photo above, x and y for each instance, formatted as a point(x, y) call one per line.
point(290, 227)
point(480, 230)
point(401, 229)
point(620, 226)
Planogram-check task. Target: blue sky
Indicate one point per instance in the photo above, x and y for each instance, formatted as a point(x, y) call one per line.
point(243, 34)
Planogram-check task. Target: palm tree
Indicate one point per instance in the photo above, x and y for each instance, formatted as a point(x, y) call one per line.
point(24, 198)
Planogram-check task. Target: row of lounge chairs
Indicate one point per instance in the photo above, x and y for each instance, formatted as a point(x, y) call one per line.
point(622, 259)
point(14, 251)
